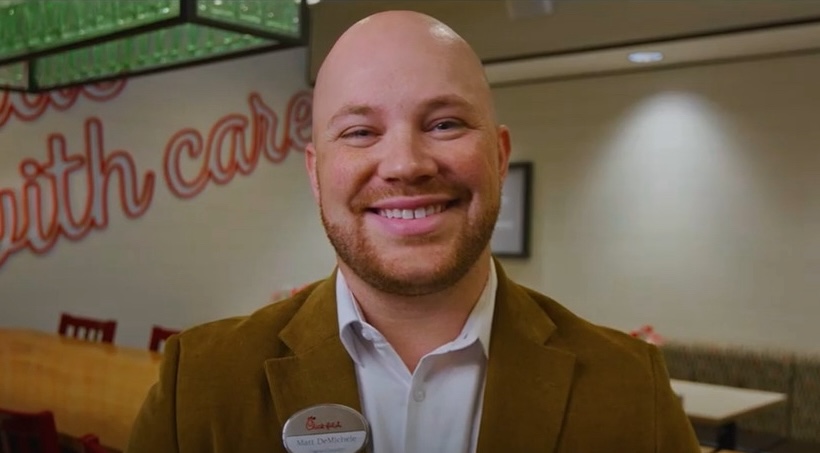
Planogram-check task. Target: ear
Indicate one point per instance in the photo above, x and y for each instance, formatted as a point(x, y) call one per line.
point(504, 150)
point(310, 165)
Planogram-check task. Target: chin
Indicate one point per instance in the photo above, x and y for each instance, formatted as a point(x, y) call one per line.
point(419, 274)
point(410, 266)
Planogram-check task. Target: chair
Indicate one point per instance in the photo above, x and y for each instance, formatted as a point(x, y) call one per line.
point(91, 444)
point(87, 328)
point(28, 432)
point(158, 337)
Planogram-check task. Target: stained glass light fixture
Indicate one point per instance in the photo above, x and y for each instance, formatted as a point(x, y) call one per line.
point(48, 44)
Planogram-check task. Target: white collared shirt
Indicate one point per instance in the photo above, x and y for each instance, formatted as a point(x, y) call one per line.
point(438, 407)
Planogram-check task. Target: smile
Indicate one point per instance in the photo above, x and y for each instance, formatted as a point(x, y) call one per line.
point(409, 214)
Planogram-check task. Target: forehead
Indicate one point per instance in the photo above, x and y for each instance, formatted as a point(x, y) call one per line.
point(390, 78)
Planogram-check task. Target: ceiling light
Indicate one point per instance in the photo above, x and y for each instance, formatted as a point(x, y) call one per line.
point(47, 44)
point(525, 9)
point(645, 57)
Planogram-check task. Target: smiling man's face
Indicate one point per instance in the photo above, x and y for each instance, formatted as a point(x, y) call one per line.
point(407, 161)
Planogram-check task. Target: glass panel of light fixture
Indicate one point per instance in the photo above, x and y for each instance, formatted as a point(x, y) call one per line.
point(272, 16)
point(14, 75)
point(165, 47)
point(35, 25)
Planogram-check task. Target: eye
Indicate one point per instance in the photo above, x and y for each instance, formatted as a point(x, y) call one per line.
point(359, 137)
point(447, 129)
point(357, 133)
point(446, 125)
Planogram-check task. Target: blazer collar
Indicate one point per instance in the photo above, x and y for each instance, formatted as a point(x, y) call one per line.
point(528, 382)
point(320, 371)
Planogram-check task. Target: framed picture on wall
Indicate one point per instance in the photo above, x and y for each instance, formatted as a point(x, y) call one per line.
point(511, 237)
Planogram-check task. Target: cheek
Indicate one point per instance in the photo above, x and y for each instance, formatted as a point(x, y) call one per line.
point(338, 179)
point(479, 172)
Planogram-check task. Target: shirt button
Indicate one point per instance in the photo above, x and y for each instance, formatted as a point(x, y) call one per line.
point(419, 395)
point(367, 335)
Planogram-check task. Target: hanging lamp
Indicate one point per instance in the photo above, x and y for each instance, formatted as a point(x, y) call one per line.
point(49, 44)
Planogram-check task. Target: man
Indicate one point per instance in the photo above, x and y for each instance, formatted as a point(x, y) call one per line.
point(419, 329)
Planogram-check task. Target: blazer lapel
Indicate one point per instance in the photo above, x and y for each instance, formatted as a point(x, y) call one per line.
point(528, 384)
point(320, 371)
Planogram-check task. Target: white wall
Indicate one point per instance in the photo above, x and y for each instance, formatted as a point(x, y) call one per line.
point(184, 261)
point(688, 199)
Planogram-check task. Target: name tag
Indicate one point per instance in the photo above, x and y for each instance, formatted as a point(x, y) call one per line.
point(326, 428)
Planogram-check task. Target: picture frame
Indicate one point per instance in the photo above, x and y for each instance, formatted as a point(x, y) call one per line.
point(511, 236)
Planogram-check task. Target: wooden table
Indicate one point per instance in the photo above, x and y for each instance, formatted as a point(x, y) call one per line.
point(721, 406)
point(90, 387)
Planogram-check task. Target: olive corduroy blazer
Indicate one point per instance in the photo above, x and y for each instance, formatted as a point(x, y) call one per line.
point(555, 383)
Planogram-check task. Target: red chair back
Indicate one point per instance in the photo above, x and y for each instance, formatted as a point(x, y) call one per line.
point(28, 432)
point(91, 444)
point(87, 328)
point(158, 337)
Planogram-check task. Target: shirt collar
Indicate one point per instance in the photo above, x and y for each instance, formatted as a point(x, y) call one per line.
point(478, 325)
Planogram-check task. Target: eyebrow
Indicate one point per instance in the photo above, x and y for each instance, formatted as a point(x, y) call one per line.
point(350, 110)
point(429, 105)
point(448, 100)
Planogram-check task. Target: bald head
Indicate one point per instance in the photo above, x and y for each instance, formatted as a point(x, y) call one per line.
point(385, 51)
point(397, 30)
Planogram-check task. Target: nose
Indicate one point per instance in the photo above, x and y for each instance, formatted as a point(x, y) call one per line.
point(406, 158)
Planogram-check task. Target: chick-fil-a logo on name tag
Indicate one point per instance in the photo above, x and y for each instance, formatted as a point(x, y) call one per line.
point(40, 211)
point(312, 425)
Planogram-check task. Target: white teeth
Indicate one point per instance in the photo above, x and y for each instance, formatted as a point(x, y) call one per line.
point(408, 214)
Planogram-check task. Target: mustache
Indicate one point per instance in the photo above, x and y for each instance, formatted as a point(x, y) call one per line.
point(363, 200)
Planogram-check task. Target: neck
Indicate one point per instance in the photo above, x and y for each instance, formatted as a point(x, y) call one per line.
point(440, 316)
